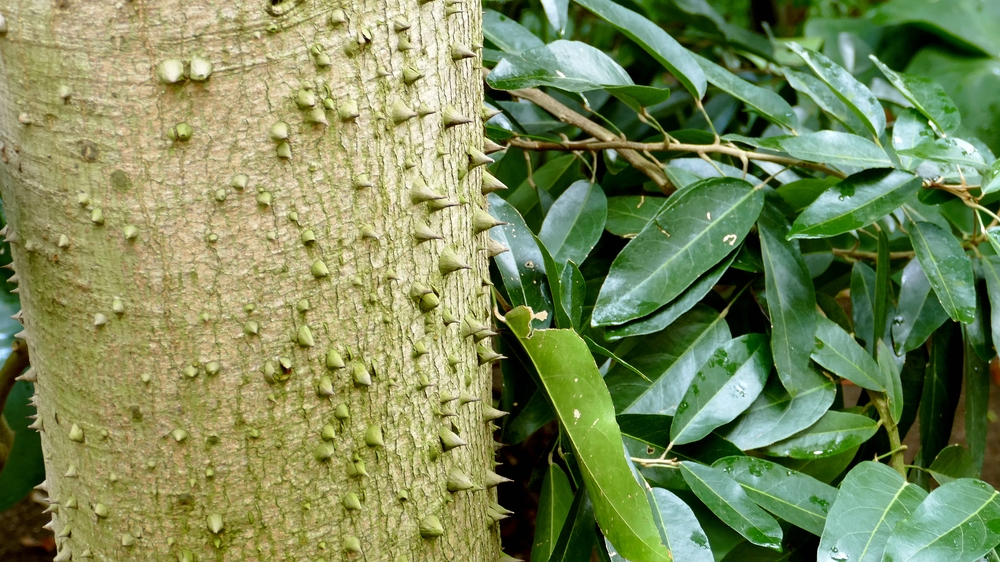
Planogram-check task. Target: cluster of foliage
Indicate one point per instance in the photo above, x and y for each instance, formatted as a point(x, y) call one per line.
point(701, 263)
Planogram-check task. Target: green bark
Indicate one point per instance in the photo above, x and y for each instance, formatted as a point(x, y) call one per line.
point(184, 276)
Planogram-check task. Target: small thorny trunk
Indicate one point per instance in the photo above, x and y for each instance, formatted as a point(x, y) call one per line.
point(250, 243)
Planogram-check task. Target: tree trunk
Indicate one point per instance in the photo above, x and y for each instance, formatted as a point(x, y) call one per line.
point(243, 351)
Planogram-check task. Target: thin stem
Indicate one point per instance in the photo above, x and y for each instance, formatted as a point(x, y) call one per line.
point(881, 402)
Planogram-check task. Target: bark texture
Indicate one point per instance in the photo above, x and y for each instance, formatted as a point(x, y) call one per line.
point(197, 252)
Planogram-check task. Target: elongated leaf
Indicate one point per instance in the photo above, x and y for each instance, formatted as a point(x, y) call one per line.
point(568, 65)
point(837, 352)
point(523, 267)
point(927, 96)
point(919, 312)
point(555, 11)
point(910, 129)
point(991, 178)
point(727, 500)
point(576, 540)
point(837, 149)
point(586, 414)
point(942, 386)
point(824, 97)
point(795, 497)
point(696, 230)
point(574, 223)
point(680, 528)
point(769, 104)
point(950, 151)
point(507, 34)
point(863, 289)
point(854, 94)
point(670, 358)
point(572, 292)
point(959, 521)
point(674, 309)
point(883, 288)
point(947, 268)
point(723, 388)
point(834, 433)
point(629, 214)
point(991, 270)
point(977, 402)
point(952, 463)
point(893, 381)
point(855, 202)
point(873, 498)
point(791, 299)
point(654, 40)
point(776, 415)
point(553, 509)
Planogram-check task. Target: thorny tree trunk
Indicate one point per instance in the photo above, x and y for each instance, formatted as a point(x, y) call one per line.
point(191, 279)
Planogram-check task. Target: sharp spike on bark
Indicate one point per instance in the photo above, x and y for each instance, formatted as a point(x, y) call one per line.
point(466, 398)
point(430, 527)
point(477, 158)
point(450, 439)
point(490, 413)
point(451, 117)
point(421, 193)
point(480, 336)
point(28, 376)
point(9, 266)
point(491, 183)
point(494, 248)
point(423, 232)
point(483, 221)
point(489, 147)
point(489, 112)
point(44, 486)
point(15, 291)
point(64, 555)
point(449, 262)
point(400, 113)
point(19, 316)
point(459, 481)
point(493, 479)
point(441, 204)
point(36, 425)
point(411, 75)
point(471, 326)
point(48, 526)
point(505, 558)
point(14, 279)
point(399, 24)
point(459, 52)
point(487, 355)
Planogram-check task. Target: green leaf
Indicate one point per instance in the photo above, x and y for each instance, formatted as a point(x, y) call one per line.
point(854, 94)
point(679, 527)
point(950, 150)
point(507, 34)
point(555, 11)
point(834, 433)
point(952, 463)
point(791, 298)
point(969, 23)
point(536, 413)
point(568, 65)
point(863, 304)
point(576, 540)
point(824, 97)
point(837, 352)
point(586, 414)
point(776, 415)
point(977, 401)
point(723, 388)
point(553, 509)
point(795, 497)
point(572, 292)
point(927, 96)
point(825, 469)
point(768, 104)
point(947, 268)
point(25, 468)
point(727, 500)
point(629, 214)
point(958, 521)
point(855, 202)
point(598, 349)
point(533, 198)
point(991, 178)
point(670, 358)
point(883, 288)
point(991, 271)
point(523, 267)
point(873, 498)
point(675, 308)
point(942, 386)
point(919, 312)
point(894, 383)
point(697, 229)
point(654, 40)
point(910, 129)
point(574, 223)
point(836, 149)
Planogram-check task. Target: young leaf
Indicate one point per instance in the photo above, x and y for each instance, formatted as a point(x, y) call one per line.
point(863, 289)
point(854, 94)
point(836, 149)
point(824, 97)
point(950, 151)
point(795, 497)
point(654, 40)
point(574, 223)
point(586, 414)
point(893, 382)
point(834, 433)
point(770, 105)
point(837, 352)
point(507, 34)
point(629, 214)
point(791, 299)
point(919, 312)
point(947, 268)
point(679, 527)
point(991, 270)
point(553, 509)
point(525, 285)
point(727, 500)
point(568, 65)
point(576, 539)
point(977, 402)
point(776, 415)
point(855, 202)
point(696, 230)
point(883, 288)
point(927, 96)
point(723, 388)
point(873, 498)
point(572, 292)
point(958, 521)
point(952, 463)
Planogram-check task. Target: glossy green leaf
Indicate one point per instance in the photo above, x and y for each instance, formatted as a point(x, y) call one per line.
point(598, 349)
point(927, 96)
point(675, 308)
point(855, 202)
point(629, 214)
point(969, 23)
point(572, 292)
point(769, 104)
point(568, 65)
point(991, 178)
point(791, 299)
point(854, 94)
point(824, 469)
point(670, 358)
point(507, 34)
point(873, 498)
point(952, 463)
point(660, 45)
point(824, 97)
point(958, 521)
point(837, 352)
point(576, 540)
point(553, 508)
point(575, 222)
point(694, 232)
point(723, 388)
point(883, 287)
point(776, 415)
point(834, 433)
point(993, 235)
point(891, 376)
point(942, 386)
point(586, 414)
point(910, 129)
point(523, 267)
point(863, 289)
point(555, 11)
point(950, 150)
point(919, 312)
point(991, 271)
point(947, 268)
point(533, 198)
point(727, 500)
point(837, 149)
point(977, 402)
point(536, 413)
point(795, 497)
point(680, 528)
